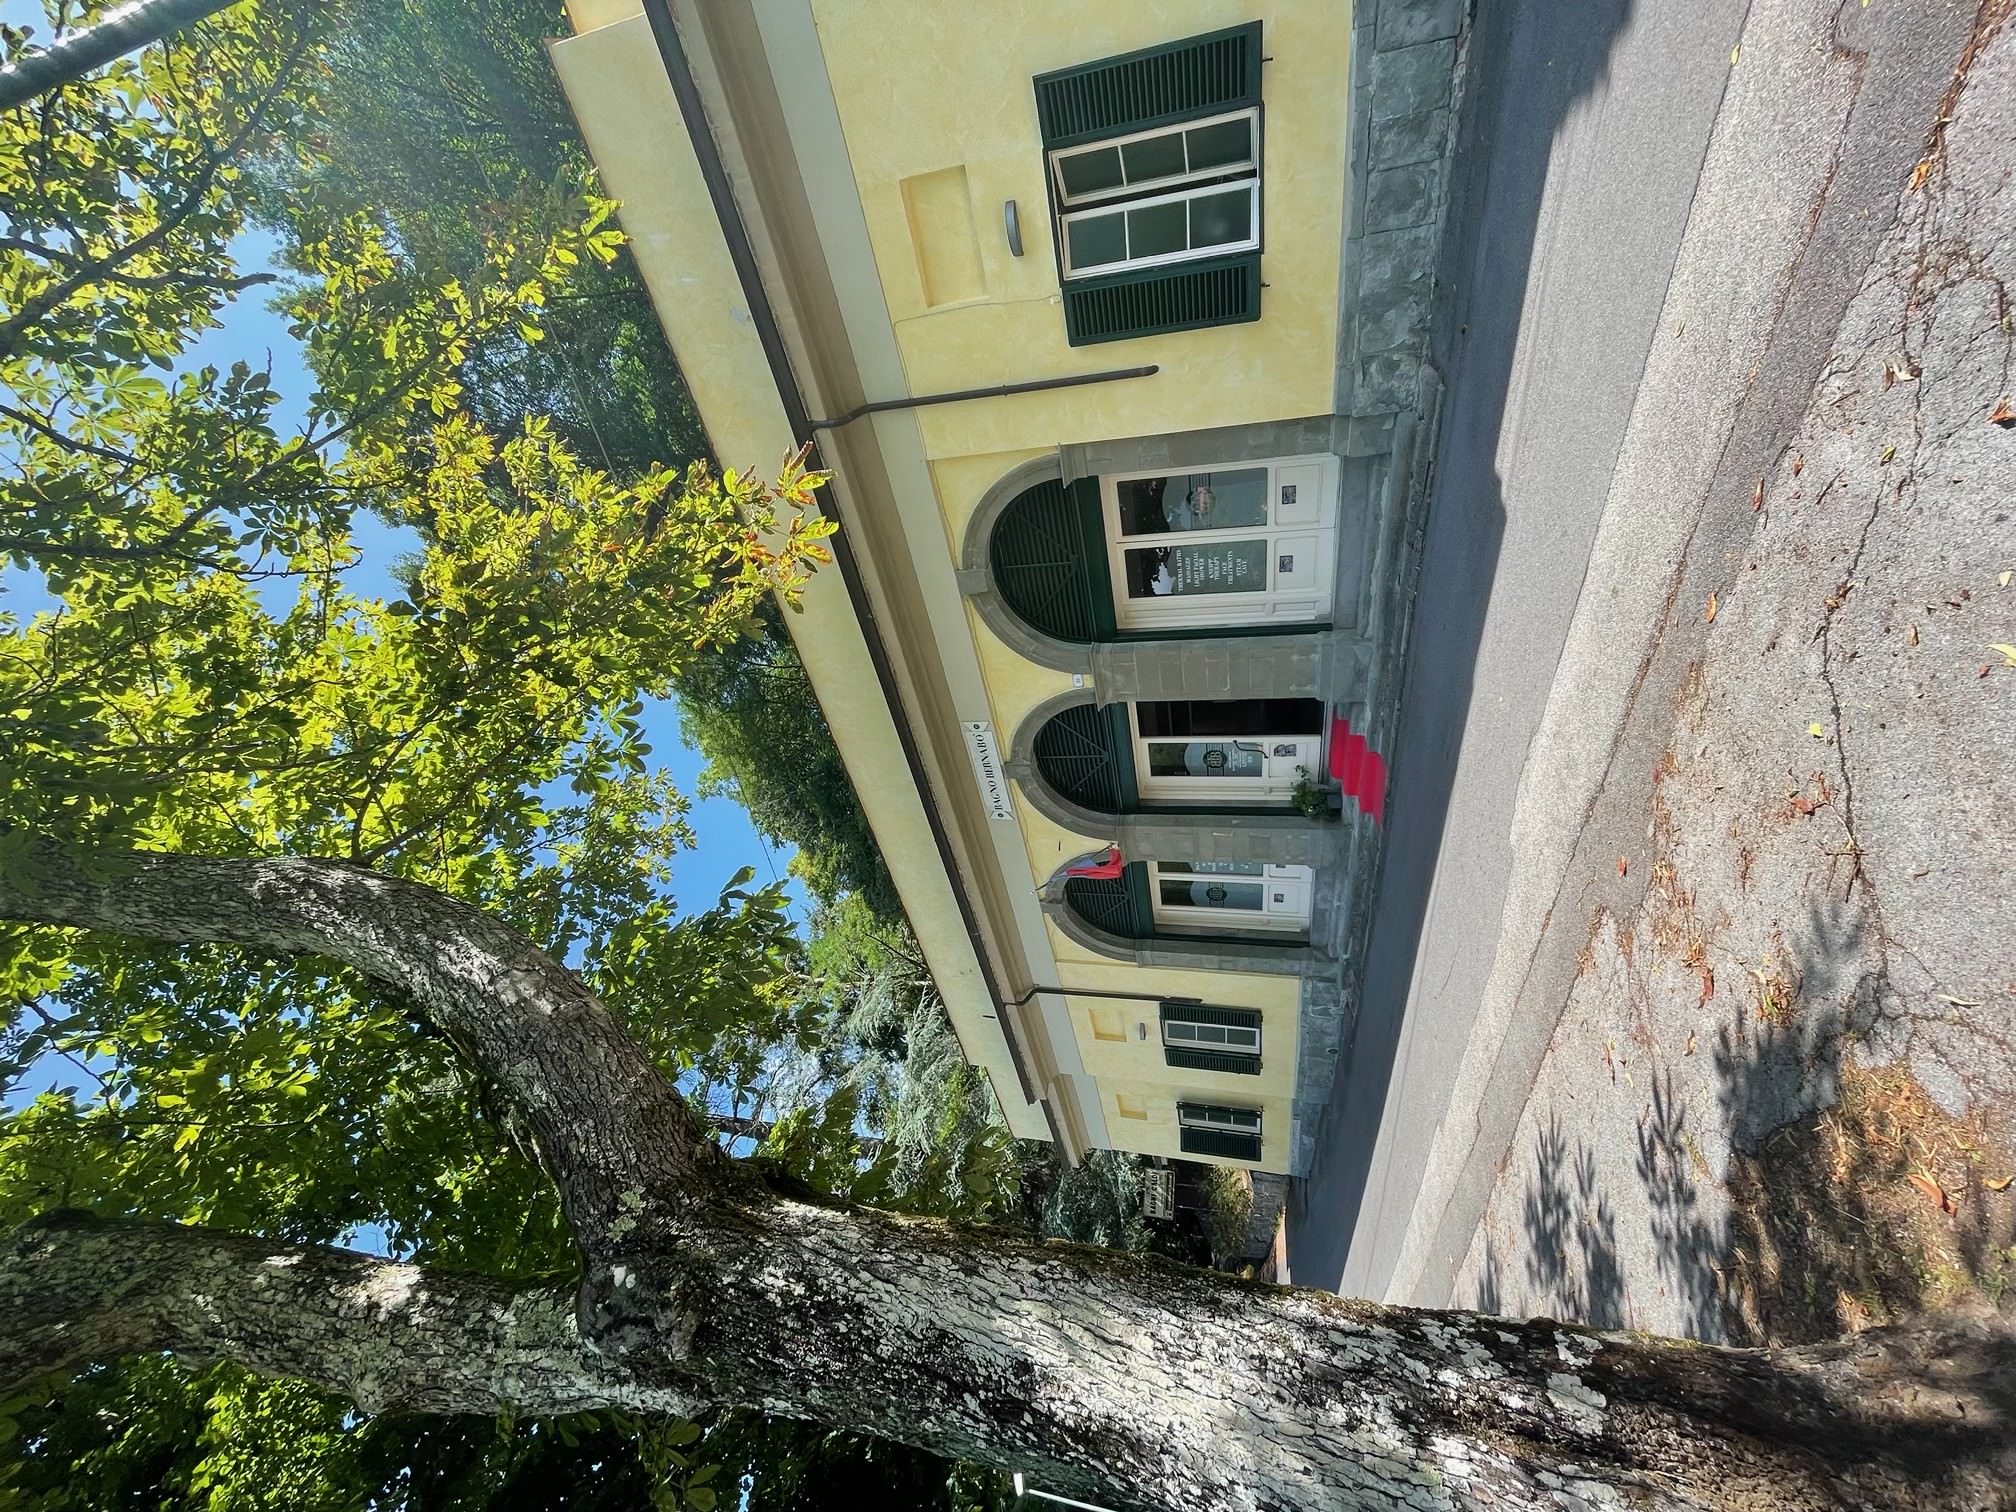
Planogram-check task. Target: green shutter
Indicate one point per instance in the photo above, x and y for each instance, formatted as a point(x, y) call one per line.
point(1118, 906)
point(1187, 1059)
point(1048, 555)
point(1229, 1143)
point(1157, 86)
point(1203, 1013)
point(1086, 756)
point(1156, 301)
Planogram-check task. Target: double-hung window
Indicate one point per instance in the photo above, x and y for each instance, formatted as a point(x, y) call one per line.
point(1215, 1129)
point(1160, 197)
point(1199, 1037)
point(1153, 162)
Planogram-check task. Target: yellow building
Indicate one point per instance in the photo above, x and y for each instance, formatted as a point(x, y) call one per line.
point(1059, 294)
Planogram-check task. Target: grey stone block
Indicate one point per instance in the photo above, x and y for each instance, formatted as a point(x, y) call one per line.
point(1412, 79)
point(1393, 320)
point(1393, 259)
point(1418, 138)
point(1368, 435)
point(1403, 197)
point(1402, 23)
point(1388, 382)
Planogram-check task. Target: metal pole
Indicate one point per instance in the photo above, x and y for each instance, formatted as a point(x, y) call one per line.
point(121, 30)
point(1062, 1501)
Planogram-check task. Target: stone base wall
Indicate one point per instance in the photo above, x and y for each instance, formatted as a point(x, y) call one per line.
point(1406, 55)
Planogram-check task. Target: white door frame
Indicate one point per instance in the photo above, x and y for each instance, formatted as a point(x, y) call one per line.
point(1279, 762)
point(1281, 895)
point(1291, 557)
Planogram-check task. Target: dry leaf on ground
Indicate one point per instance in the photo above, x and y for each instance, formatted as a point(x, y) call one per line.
point(1712, 607)
point(1934, 1193)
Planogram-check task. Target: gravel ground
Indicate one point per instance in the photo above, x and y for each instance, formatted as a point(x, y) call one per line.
point(1782, 1088)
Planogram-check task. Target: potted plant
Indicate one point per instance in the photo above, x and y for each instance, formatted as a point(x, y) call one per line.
point(1311, 799)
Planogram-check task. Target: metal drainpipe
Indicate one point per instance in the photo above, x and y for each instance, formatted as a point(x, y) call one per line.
point(959, 396)
point(742, 252)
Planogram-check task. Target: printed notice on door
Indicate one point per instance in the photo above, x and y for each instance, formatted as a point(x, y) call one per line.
point(1226, 567)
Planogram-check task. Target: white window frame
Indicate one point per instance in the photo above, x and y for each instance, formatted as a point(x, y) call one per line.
point(1123, 208)
point(1231, 172)
point(1193, 1044)
point(1206, 916)
point(1277, 602)
point(1185, 1120)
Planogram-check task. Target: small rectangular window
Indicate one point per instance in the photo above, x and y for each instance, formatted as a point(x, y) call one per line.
point(1165, 229)
point(1149, 161)
point(1152, 167)
point(1215, 1116)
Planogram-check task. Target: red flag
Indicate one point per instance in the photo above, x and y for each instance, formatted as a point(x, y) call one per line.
point(1103, 866)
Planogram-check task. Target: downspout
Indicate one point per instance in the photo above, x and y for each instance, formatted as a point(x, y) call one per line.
point(742, 252)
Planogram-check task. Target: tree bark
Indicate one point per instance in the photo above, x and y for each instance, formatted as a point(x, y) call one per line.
point(125, 29)
point(1123, 1378)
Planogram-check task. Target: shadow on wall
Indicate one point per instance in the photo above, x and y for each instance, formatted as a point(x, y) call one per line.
point(1499, 179)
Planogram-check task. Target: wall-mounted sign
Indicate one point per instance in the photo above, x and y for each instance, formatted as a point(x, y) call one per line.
point(987, 769)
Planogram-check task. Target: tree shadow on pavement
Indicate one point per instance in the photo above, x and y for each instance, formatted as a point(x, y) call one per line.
point(1571, 1236)
point(1545, 65)
point(1854, 1198)
point(1687, 1247)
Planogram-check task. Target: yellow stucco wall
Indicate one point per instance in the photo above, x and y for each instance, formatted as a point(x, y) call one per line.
point(941, 93)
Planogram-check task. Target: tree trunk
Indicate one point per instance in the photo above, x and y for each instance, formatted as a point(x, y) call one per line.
point(1123, 1378)
point(125, 29)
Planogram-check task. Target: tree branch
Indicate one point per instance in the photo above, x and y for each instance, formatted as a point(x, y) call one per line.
point(607, 1125)
point(390, 1336)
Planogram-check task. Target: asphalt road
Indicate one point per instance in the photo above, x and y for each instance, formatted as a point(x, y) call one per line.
point(1587, 125)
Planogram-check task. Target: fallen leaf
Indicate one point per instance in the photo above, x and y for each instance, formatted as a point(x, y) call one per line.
point(1690, 1044)
point(1757, 496)
point(1804, 807)
point(1623, 865)
point(1817, 730)
point(1798, 463)
point(2000, 1184)
point(1707, 992)
point(1922, 172)
point(1735, 52)
point(2004, 579)
point(1911, 635)
point(2008, 652)
point(1712, 607)
point(1960, 1002)
point(1888, 453)
point(1934, 1193)
point(2003, 416)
